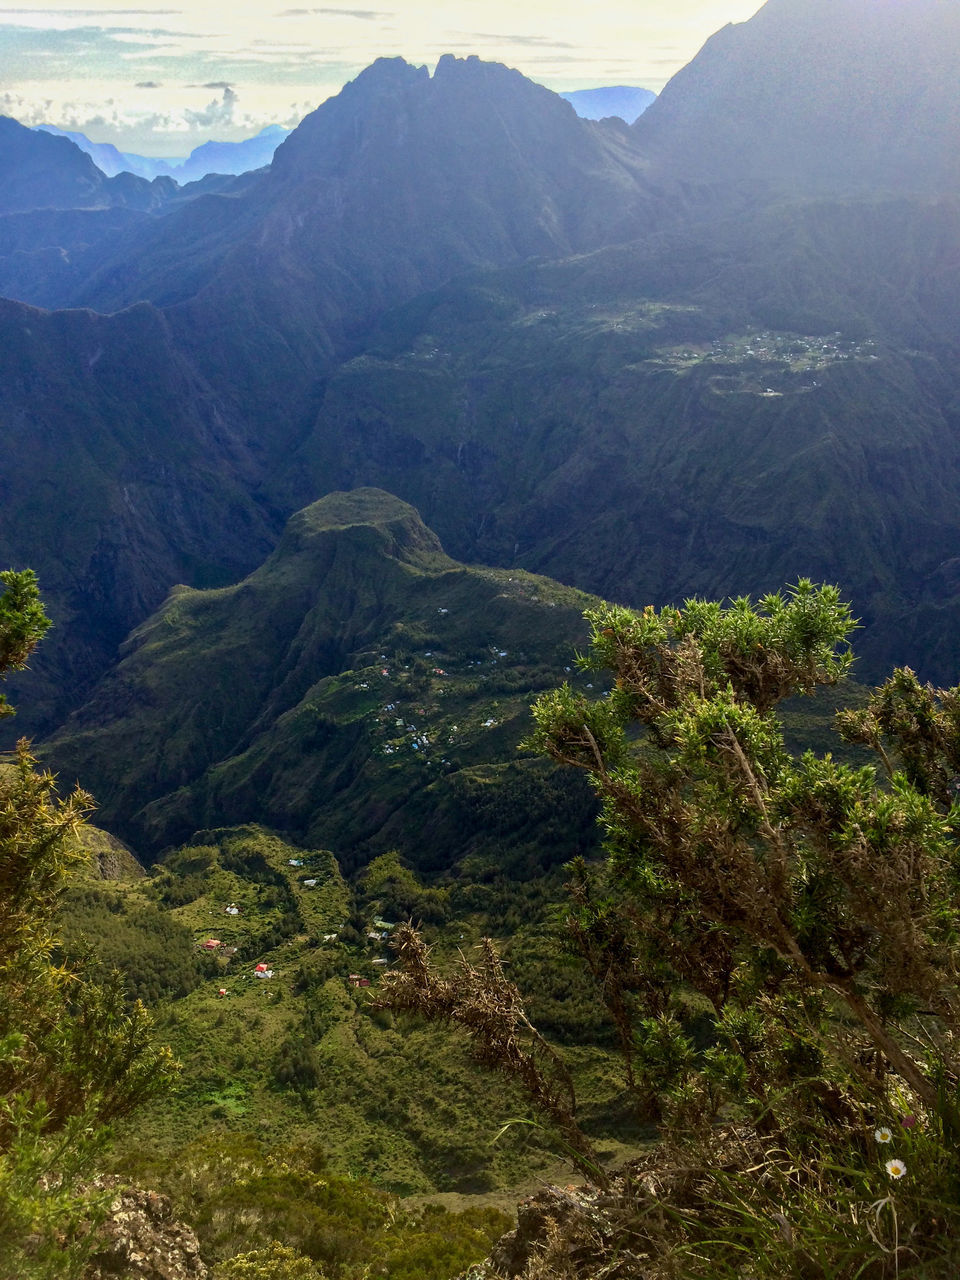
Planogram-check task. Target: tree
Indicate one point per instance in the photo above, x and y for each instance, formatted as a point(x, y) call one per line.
point(23, 624)
point(776, 936)
point(484, 1003)
point(73, 1057)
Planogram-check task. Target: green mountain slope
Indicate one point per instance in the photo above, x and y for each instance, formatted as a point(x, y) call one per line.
point(651, 422)
point(121, 475)
point(361, 690)
point(301, 1056)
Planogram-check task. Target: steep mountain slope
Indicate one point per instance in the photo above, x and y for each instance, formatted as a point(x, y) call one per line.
point(47, 254)
point(39, 171)
point(818, 96)
point(392, 186)
point(682, 418)
point(121, 474)
point(361, 690)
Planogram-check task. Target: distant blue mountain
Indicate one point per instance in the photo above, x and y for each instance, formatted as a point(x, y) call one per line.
point(232, 157)
point(625, 101)
point(211, 157)
point(111, 161)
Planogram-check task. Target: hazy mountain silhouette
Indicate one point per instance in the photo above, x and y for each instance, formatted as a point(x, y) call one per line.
point(625, 101)
point(817, 96)
point(40, 171)
point(209, 157)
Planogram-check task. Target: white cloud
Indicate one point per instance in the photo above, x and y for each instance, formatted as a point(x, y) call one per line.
point(219, 112)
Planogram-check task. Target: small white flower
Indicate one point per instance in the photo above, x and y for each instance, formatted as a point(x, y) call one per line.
point(896, 1168)
point(883, 1135)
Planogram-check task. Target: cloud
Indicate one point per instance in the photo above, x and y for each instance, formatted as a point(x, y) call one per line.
point(181, 128)
point(577, 61)
point(222, 85)
point(148, 84)
point(29, 113)
point(217, 114)
point(56, 54)
point(366, 15)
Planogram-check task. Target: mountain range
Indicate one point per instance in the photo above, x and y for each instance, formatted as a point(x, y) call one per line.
point(706, 352)
point(209, 157)
point(319, 466)
point(625, 101)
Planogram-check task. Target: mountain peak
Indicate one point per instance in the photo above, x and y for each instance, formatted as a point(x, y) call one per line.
point(397, 529)
point(475, 165)
point(818, 96)
point(392, 100)
point(386, 72)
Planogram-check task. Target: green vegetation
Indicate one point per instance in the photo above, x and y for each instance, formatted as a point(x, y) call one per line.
point(303, 1112)
point(305, 1051)
point(763, 964)
point(299, 1048)
point(73, 1058)
point(359, 692)
point(279, 1213)
point(775, 939)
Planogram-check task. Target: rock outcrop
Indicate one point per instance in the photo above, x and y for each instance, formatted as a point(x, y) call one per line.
point(141, 1239)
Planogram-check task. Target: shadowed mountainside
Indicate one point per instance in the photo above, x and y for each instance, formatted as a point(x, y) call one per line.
point(40, 171)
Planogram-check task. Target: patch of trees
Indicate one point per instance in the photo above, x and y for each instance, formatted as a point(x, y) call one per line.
point(153, 952)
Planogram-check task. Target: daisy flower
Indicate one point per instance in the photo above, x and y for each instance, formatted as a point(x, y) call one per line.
point(896, 1168)
point(883, 1135)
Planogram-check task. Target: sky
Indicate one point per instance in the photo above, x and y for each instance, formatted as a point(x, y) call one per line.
point(160, 80)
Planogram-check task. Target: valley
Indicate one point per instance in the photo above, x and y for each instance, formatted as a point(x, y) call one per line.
point(371, 489)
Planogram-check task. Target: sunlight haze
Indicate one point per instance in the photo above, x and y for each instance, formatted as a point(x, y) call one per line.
point(161, 80)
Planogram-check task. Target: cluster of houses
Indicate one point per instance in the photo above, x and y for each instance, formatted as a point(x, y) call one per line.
point(799, 350)
point(214, 944)
point(378, 933)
